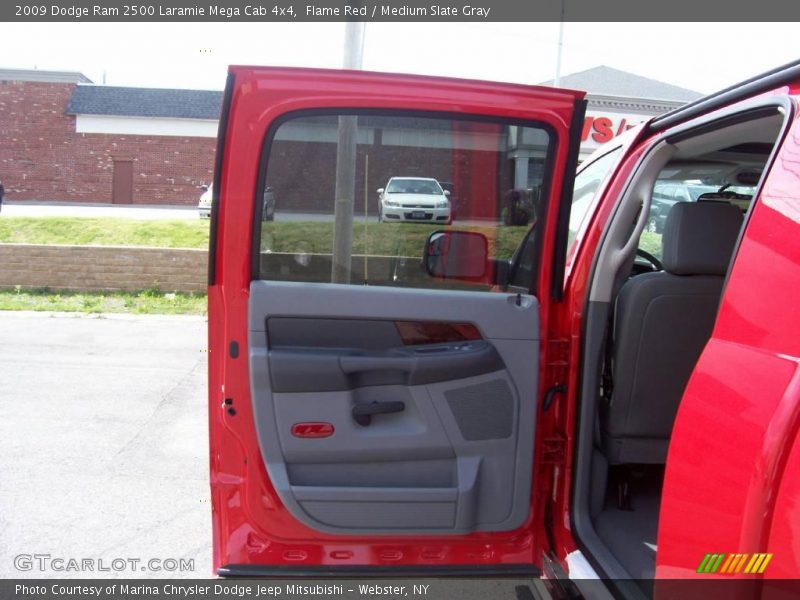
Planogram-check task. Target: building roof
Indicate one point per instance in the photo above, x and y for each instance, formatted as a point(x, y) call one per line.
point(44, 76)
point(603, 82)
point(144, 102)
point(608, 81)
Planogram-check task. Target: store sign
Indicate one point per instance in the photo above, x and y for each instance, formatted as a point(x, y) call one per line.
point(599, 128)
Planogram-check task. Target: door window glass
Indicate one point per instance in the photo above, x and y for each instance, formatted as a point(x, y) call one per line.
point(587, 182)
point(353, 198)
point(687, 184)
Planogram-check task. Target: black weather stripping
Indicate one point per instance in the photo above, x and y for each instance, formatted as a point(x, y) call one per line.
point(245, 571)
point(221, 134)
point(565, 202)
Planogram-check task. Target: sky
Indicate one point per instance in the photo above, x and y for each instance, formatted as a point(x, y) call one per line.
point(699, 56)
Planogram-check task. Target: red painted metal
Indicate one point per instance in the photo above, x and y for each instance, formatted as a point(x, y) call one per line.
point(732, 478)
point(733, 473)
point(728, 485)
point(312, 430)
point(250, 524)
point(566, 322)
point(690, 523)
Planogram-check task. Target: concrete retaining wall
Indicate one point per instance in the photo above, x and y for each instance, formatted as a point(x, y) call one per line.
point(106, 268)
point(126, 268)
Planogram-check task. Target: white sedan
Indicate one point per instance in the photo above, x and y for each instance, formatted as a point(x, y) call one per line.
point(204, 205)
point(419, 199)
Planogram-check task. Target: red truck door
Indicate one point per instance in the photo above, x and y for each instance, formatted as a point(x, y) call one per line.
point(367, 414)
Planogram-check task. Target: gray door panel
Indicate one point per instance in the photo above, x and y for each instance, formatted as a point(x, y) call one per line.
point(381, 440)
point(457, 457)
point(321, 300)
point(329, 370)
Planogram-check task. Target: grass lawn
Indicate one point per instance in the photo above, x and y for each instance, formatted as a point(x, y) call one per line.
point(104, 232)
point(385, 239)
point(147, 302)
point(371, 238)
point(651, 242)
point(379, 239)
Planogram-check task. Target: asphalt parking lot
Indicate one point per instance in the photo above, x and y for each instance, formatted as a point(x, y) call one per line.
point(103, 447)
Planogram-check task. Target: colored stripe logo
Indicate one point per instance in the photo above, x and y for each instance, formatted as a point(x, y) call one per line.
point(732, 564)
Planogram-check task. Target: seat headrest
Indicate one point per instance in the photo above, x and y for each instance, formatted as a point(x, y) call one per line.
point(699, 237)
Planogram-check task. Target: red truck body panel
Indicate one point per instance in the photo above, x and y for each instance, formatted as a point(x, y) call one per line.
point(733, 474)
point(728, 481)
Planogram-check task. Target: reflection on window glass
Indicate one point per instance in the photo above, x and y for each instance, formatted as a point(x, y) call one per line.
point(587, 182)
point(356, 197)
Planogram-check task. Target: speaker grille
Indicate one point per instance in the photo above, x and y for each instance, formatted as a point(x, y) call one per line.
point(484, 411)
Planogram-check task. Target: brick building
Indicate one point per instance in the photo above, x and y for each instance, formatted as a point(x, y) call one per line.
point(619, 100)
point(65, 139)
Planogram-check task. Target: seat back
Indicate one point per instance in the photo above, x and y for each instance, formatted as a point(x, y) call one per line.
point(662, 322)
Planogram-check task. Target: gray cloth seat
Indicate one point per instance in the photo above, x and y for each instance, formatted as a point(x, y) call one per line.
point(661, 325)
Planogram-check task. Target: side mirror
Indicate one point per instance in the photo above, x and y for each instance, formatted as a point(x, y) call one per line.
point(456, 255)
point(380, 190)
point(204, 187)
point(447, 192)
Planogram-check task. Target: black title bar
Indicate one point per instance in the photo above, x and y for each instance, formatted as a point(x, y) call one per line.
point(409, 11)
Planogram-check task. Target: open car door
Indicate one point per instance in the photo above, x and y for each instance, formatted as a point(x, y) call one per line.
point(371, 414)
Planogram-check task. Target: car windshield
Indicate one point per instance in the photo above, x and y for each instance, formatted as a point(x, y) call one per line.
point(695, 191)
point(413, 186)
point(746, 190)
point(688, 184)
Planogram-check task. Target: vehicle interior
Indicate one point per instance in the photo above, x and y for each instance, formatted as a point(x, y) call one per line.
point(428, 388)
point(651, 308)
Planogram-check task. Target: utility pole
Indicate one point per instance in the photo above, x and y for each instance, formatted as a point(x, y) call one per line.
point(353, 44)
point(557, 78)
point(341, 266)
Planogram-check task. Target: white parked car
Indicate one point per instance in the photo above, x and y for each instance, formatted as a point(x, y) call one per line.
point(204, 206)
point(419, 199)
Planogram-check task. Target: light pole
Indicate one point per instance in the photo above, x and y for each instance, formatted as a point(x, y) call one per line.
point(557, 78)
point(353, 44)
point(344, 200)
